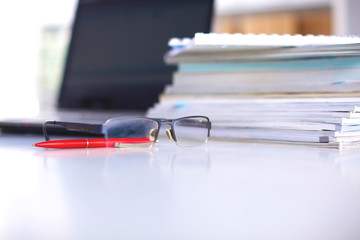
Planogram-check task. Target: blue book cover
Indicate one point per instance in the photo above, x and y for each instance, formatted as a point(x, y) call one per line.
point(308, 64)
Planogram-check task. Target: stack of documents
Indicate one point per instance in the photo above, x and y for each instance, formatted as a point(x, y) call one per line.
point(270, 88)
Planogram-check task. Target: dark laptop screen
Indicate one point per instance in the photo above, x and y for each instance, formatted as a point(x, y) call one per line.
point(115, 58)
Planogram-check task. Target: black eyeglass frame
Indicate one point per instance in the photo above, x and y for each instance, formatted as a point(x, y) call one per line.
point(99, 128)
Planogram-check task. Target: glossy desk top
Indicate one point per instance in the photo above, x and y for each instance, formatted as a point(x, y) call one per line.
point(220, 191)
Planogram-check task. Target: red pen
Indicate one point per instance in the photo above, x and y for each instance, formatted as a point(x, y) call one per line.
point(95, 143)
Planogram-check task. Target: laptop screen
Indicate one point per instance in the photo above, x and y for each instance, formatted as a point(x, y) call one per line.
point(115, 57)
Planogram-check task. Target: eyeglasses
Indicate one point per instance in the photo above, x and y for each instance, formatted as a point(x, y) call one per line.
point(142, 132)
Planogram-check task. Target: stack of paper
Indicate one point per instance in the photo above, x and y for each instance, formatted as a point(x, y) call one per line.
point(294, 89)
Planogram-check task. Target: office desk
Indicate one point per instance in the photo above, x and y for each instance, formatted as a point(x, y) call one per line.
point(219, 191)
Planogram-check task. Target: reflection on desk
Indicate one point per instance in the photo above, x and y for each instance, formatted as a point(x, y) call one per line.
point(218, 191)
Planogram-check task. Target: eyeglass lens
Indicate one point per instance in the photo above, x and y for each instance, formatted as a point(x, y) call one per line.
point(192, 131)
point(131, 133)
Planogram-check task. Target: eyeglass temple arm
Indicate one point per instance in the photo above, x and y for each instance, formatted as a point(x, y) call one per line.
point(72, 126)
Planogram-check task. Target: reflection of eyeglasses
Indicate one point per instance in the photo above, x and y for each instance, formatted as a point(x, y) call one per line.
point(143, 132)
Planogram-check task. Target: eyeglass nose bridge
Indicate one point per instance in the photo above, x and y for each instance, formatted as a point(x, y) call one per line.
point(170, 133)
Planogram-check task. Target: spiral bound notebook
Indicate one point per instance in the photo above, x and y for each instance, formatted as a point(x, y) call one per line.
point(260, 40)
point(210, 47)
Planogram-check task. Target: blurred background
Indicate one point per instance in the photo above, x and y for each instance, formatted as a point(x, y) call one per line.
point(35, 35)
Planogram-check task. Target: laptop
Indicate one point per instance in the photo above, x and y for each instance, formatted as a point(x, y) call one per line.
point(114, 64)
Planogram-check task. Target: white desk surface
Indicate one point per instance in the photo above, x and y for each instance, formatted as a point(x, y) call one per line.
point(220, 191)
